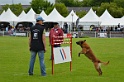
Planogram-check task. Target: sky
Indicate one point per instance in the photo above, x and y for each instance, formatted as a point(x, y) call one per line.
point(24, 2)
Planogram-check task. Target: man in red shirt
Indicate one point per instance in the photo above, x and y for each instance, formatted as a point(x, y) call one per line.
point(56, 31)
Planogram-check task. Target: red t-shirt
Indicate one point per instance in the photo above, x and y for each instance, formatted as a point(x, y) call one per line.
point(55, 32)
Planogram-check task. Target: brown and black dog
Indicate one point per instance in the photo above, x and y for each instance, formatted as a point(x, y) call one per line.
point(89, 53)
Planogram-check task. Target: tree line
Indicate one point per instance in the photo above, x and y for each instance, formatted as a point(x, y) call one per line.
point(115, 7)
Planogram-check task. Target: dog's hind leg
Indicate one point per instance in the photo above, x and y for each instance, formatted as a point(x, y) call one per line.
point(97, 67)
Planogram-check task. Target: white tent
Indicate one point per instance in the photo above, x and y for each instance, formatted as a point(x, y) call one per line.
point(29, 17)
point(22, 14)
point(122, 20)
point(2, 13)
point(107, 19)
point(43, 14)
point(8, 16)
point(72, 17)
point(54, 16)
point(90, 17)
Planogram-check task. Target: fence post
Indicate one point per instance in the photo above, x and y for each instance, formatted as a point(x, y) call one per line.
point(95, 34)
point(3, 32)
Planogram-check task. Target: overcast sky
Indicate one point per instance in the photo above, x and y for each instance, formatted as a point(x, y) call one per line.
point(24, 2)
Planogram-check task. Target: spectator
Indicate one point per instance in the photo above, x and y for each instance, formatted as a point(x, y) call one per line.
point(55, 31)
point(65, 27)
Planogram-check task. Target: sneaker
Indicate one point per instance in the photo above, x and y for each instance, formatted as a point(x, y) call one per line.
point(30, 74)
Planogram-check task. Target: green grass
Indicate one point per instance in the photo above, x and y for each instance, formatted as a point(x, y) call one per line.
point(15, 55)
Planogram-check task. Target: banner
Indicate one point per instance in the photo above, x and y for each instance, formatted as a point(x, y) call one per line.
point(102, 35)
point(61, 55)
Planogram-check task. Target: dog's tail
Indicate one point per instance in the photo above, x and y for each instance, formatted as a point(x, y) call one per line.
point(105, 63)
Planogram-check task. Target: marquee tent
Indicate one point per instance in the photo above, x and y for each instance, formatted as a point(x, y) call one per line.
point(8, 16)
point(122, 21)
point(2, 13)
point(22, 14)
point(29, 17)
point(90, 17)
point(72, 17)
point(107, 19)
point(54, 16)
point(43, 14)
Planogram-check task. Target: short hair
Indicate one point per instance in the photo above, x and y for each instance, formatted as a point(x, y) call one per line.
point(37, 20)
point(55, 23)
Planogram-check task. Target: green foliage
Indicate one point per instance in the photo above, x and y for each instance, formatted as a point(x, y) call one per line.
point(120, 3)
point(87, 3)
point(113, 9)
point(15, 8)
point(49, 10)
point(27, 9)
point(39, 5)
point(62, 9)
point(15, 57)
point(81, 13)
point(71, 3)
point(1, 11)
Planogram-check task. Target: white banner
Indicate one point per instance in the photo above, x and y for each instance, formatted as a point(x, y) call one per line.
point(102, 34)
point(61, 55)
point(20, 34)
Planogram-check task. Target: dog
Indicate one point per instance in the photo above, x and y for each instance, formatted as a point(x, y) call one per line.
point(87, 51)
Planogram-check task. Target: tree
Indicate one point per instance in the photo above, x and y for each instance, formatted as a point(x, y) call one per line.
point(112, 8)
point(27, 9)
point(15, 8)
point(62, 9)
point(39, 5)
point(95, 2)
point(48, 10)
point(70, 3)
point(81, 13)
point(98, 2)
point(120, 3)
point(87, 3)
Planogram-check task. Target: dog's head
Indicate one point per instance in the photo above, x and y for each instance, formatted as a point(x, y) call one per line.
point(80, 42)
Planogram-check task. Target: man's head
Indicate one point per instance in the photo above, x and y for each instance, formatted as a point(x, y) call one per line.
point(56, 24)
point(39, 20)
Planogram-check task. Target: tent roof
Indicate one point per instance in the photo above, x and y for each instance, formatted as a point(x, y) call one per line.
point(90, 17)
point(29, 17)
point(69, 17)
point(8, 16)
point(54, 16)
point(43, 14)
point(107, 19)
point(2, 12)
point(106, 16)
point(22, 14)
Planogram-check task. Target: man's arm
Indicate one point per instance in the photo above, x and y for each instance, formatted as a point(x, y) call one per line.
point(29, 39)
point(44, 40)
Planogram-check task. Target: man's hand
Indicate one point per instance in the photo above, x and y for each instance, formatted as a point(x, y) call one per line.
point(44, 50)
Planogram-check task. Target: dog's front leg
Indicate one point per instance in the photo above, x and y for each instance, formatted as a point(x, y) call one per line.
point(79, 53)
point(82, 52)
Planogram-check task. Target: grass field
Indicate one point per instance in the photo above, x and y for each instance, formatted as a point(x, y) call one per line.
point(15, 55)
